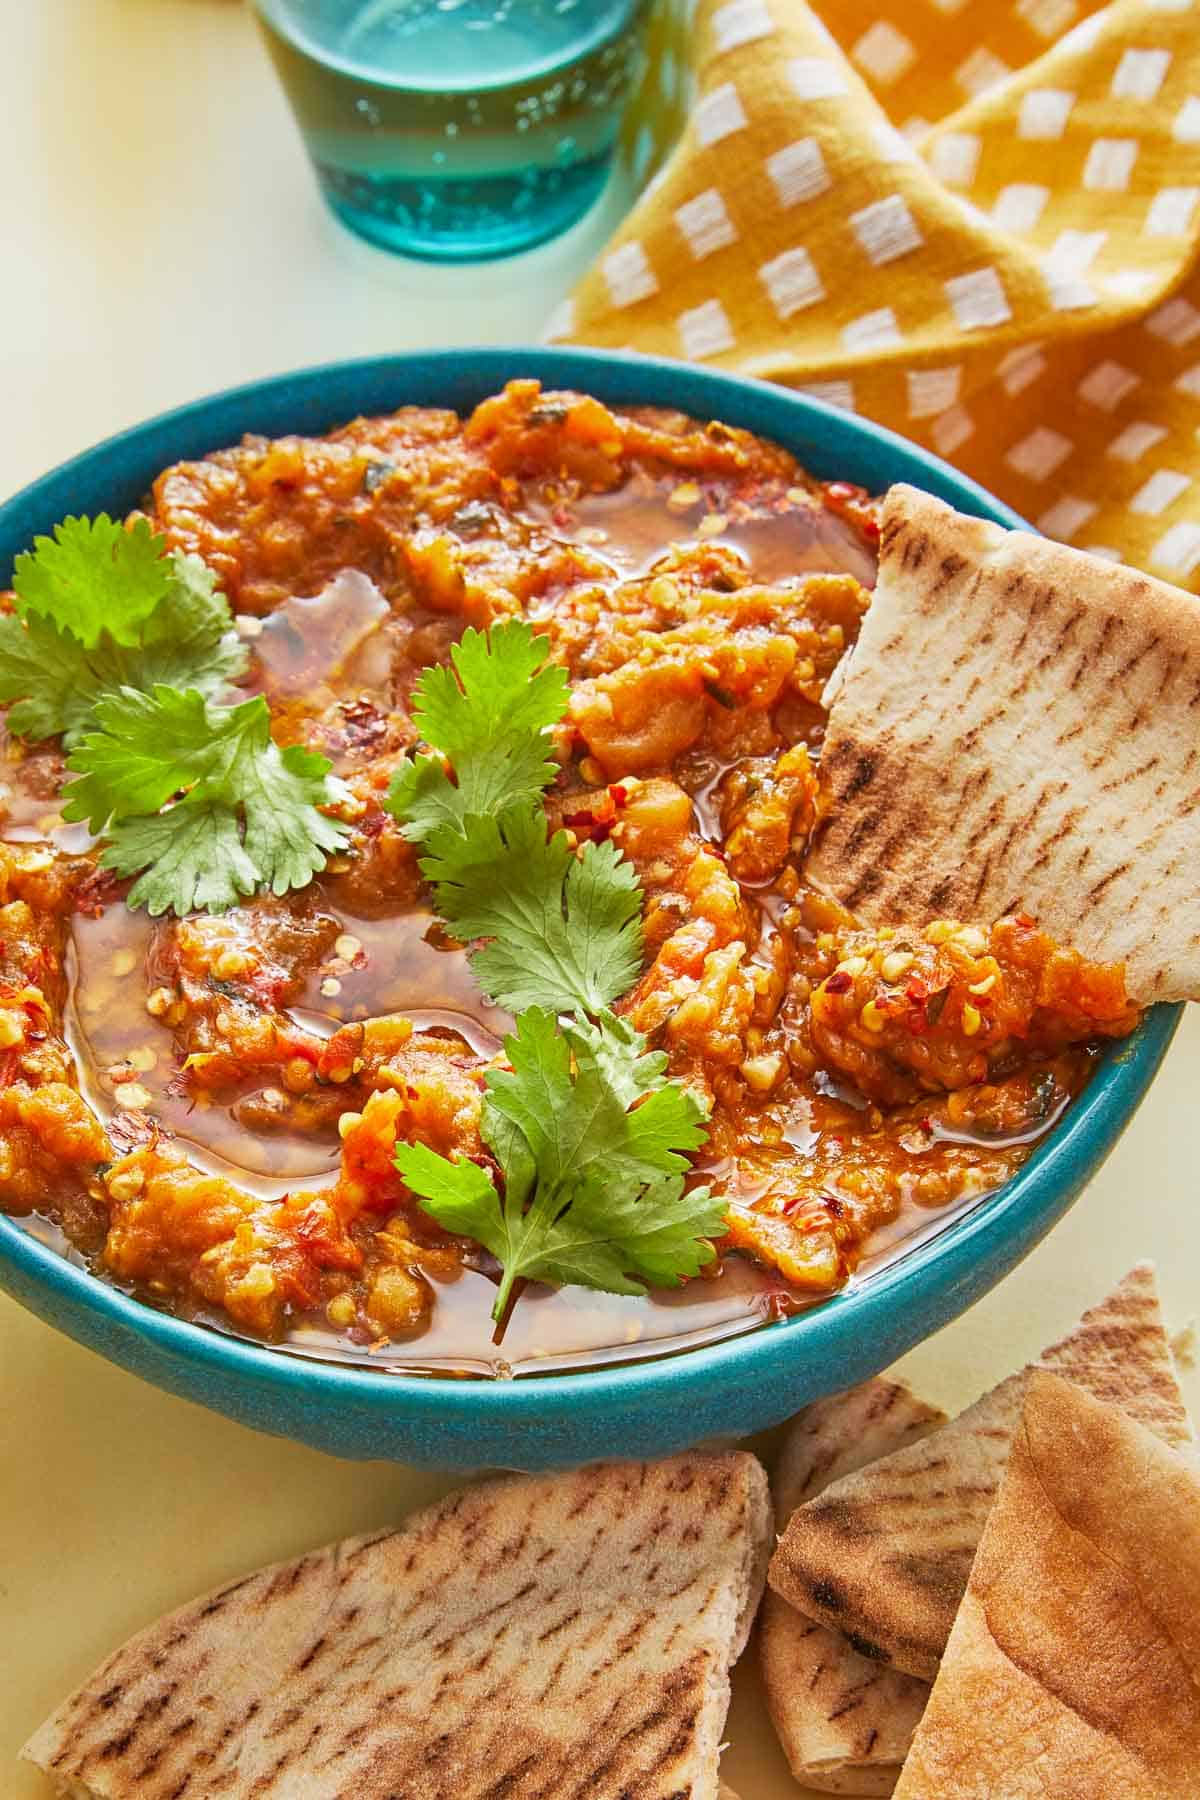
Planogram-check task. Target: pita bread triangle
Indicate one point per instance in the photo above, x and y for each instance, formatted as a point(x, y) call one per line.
point(884, 1555)
point(1073, 1668)
point(1016, 729)
point(549, 1638)
point(845, 1723)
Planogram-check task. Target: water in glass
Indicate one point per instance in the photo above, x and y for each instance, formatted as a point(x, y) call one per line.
point(458, 129)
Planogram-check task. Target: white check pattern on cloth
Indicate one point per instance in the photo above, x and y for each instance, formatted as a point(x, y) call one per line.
point(798, 172)
point(932, 391)
point(1039, 454)
point(629, 275)
point(705, 331)
point(792, 282)
point(741, 22)
point(1003, 282)
point(1106, 385)
point(883, 52)
point(978, 299)
point(705, 224)
point(718, 115)
point(1132, 444)
point(886, 230)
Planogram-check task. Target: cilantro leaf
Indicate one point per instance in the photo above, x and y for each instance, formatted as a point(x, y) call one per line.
point(243, 813)
point(564, 930)
point(608, 1236)
point(55, 681)
point(94, 576)
point(591, 1139)
point(594, 1188)
point(491, 715)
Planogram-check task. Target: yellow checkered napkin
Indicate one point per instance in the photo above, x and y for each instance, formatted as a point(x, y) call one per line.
point(973, 220)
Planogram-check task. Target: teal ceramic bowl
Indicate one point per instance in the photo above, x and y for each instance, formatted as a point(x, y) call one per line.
point(642, 1409)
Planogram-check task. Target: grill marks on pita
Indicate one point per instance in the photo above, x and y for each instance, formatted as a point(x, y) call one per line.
point(529, 1639)
point(1073, 1668)
point(884, 1555)
point(1018, 728)
point(845, 1722)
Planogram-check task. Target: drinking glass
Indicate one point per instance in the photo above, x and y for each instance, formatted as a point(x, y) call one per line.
point(458, 129)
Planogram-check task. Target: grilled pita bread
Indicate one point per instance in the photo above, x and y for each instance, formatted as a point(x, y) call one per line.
point(1073, 1669)
point(1018, 727)
point(884, 1555)
point(845, 1722)
point(540, 1639)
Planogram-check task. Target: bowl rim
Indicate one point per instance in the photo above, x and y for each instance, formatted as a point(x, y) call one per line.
point(1022, 1209)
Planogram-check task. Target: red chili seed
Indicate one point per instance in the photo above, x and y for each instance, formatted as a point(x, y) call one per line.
point(838, 983)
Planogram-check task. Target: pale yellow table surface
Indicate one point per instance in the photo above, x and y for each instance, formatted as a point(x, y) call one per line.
point(161, 239)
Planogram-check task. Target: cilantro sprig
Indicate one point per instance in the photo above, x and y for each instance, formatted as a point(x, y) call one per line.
point(121, 647)
point(589, 1136)
point(593, 1191)
point(561, 931)
point(491, 715)
point(201, 800)
point(94, 576)
point(100, 607)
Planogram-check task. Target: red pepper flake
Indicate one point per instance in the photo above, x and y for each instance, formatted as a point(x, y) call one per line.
point(838, 983)
point(619, 794)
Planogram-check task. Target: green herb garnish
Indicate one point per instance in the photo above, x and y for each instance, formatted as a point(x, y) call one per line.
point(491, 715)
point(100, 608)
point(593, 1190)
point(201, 800)
point(590, 1137)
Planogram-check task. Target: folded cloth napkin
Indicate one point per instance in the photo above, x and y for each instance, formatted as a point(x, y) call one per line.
point(976, 221)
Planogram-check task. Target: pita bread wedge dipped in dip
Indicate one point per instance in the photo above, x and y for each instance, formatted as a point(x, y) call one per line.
point(884, 1555)
point(845, 1722)
point(1073, 1668)
point(567, 1637)
point(1017, 731)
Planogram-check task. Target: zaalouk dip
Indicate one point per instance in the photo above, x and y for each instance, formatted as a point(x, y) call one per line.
point(205, 1108)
